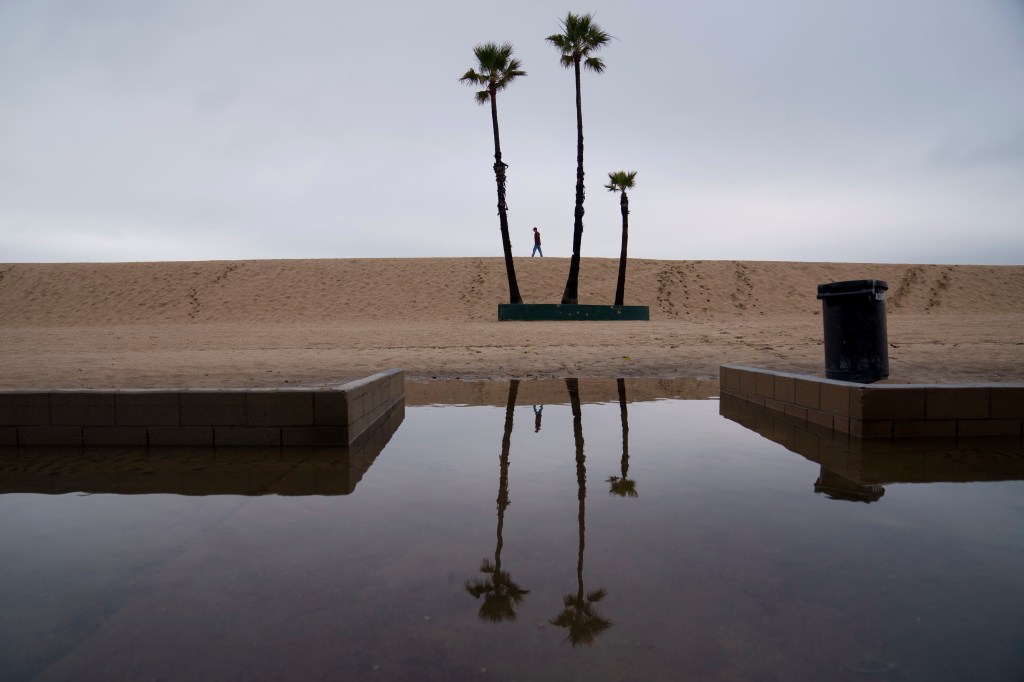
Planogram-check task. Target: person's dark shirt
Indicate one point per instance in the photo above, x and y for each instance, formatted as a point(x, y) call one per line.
point(536, 238)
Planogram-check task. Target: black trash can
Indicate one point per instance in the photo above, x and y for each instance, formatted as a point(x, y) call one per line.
point(856, 344)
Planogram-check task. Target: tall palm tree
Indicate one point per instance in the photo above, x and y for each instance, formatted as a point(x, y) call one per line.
point(497, 68)
point(578, 616)
point(623, 486)
point(579, 37)
point(501, 594)
point(620, 181)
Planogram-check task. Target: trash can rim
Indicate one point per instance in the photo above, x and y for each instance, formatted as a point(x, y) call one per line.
point(851, 287)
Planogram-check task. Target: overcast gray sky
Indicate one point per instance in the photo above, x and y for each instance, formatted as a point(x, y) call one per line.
point(821, 130)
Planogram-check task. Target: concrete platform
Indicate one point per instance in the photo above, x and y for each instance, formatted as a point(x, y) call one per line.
point(882, 411)
point(199, 418)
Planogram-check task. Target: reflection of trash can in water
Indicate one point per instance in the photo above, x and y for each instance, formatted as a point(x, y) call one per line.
point(856, 344)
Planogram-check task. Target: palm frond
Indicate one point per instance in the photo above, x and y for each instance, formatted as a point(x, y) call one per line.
point(623, 487)
point(495, 68)
point(558, 40)
point(620, 181)
point(595, 64)
point(579, 37)
point(471, 77)
point(482, 96)
point(581, 621)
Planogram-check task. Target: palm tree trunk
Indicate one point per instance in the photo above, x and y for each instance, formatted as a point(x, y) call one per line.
point(506, 442)
point(573, 387)
point(624, 418)
point(620, 284)
point(499, 176)
point(571, 293)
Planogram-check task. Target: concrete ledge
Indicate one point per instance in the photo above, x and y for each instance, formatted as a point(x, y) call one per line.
point(266, 417)
point(548, 312)
point(139, 470)
point(881, 411)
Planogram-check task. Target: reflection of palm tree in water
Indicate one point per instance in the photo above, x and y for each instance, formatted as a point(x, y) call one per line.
point(579, 617)
point(623, 486)
point(501, 595)
point(538, 411)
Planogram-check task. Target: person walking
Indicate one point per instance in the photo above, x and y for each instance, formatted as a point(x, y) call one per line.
point(536, 244)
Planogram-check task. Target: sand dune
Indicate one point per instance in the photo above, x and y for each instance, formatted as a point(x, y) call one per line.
point(275, 322)
point(462, 289)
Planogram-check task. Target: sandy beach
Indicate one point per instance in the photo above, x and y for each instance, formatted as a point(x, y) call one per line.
point(317, 322)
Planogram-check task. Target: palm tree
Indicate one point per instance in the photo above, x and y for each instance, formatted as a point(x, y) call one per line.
point(497, 69)
point(501, 594)
point(579, 617)
point(579, 37)
point(620, 181)
point(623, 486)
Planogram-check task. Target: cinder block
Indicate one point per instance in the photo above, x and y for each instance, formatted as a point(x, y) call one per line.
point(774, 405)
point(748, 381)
point(957, 403)
point(755, 400)
point(189, 436)
point(928, 428)
point(988, 427)
point(785, 389)
point(1007, 402)
point(871, 429)
point(357, 426)
point(806, 393)
point(246, 435)
point(82, 409)
point(330, 409)
point(8, 435)
point(835, 398)
point(212, 409)
point(892, 403)
point(728, 376)
point(114, 435)
point(148, 409)
point(279, 408)
point(302, 436)
point(796, 412)
point(49, 435)
point(841, 424)
point(819, 418)
point(765, 385)
point(24, 409)
point(356, 408)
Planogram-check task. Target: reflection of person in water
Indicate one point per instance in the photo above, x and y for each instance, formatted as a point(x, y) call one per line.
point(537, 410)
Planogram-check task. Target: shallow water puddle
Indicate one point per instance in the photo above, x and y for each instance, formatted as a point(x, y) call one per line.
point(514, 540)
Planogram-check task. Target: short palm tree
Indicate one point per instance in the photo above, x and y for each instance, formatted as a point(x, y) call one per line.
point(623, 486)
point(620, 181)
point(497, 68)
point(580, 37)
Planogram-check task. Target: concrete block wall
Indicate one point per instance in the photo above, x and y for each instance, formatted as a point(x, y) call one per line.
point(334, 470)
point(281, 417)
point(881, 410)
